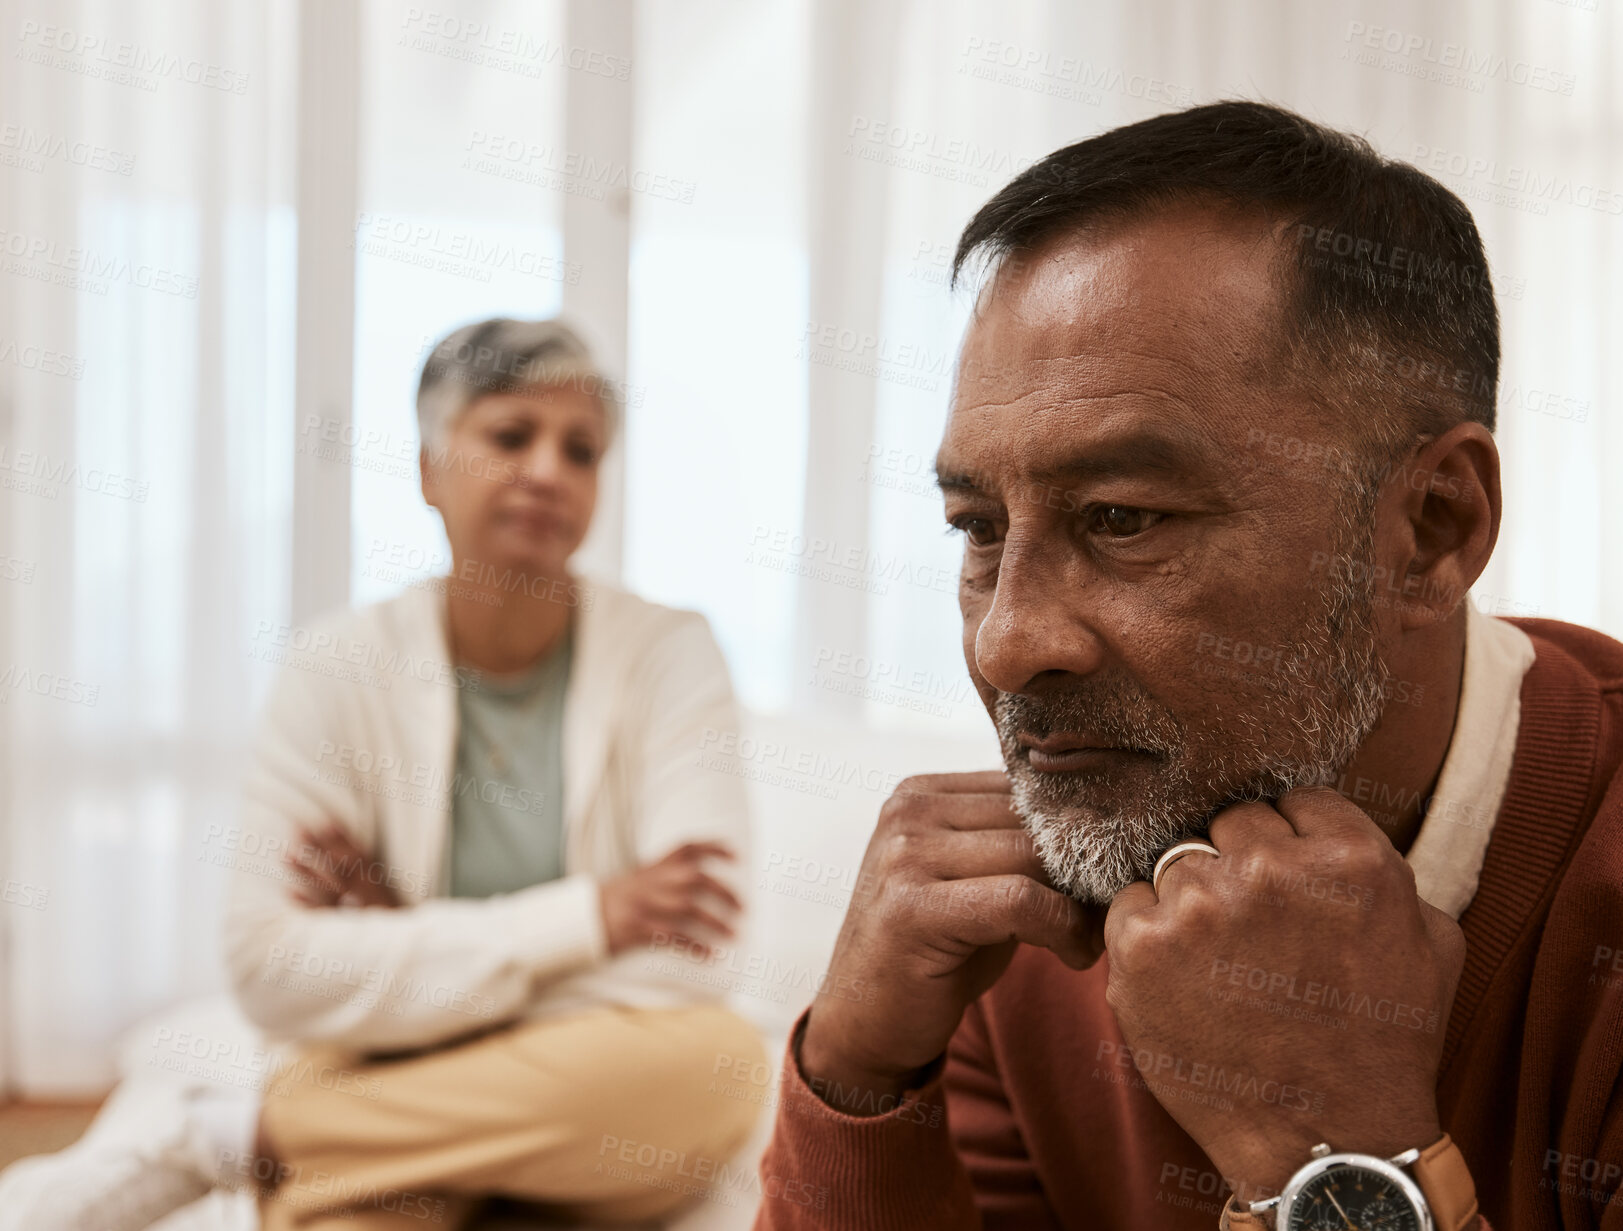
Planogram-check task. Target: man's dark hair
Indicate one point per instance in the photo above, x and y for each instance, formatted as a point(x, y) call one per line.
point(1387, 298)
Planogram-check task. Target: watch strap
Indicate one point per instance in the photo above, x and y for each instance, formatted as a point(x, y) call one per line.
point(1237, 1216)
point(1446, 1182)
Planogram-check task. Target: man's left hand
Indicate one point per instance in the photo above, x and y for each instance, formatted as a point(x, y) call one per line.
point(1291, 991)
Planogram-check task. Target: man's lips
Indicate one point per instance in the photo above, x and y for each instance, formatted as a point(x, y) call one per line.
point(1057, 753)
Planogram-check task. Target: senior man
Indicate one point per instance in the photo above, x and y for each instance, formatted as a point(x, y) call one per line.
point(1295, 903)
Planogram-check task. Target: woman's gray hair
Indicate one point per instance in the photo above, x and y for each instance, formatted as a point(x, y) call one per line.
point(504, 355)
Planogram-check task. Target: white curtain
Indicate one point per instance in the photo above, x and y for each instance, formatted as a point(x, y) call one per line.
point(146, 304)
point(801, 170)
point(151, 448)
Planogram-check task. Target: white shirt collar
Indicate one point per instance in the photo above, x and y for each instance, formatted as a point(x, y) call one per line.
point(1447, 852)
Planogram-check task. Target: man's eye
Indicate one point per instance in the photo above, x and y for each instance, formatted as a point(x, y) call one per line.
point(978, 530)
point(510, 440)
point(1120, 521)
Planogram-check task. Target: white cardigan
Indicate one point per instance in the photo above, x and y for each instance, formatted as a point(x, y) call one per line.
point(361, 728)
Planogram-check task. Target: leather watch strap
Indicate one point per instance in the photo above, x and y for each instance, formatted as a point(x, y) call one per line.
point(1236, 1217)
point(1443, 1177)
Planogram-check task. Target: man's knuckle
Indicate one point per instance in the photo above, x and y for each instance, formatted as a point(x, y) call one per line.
point(1340, 853)
point(1368, 862)
point(898, 847)
point(1255, 865)
point(895, 810)
point(1147, 939)
point(1199, 907)
point(1115, 995)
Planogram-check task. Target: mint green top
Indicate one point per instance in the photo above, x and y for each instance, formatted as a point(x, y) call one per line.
point(507, 796)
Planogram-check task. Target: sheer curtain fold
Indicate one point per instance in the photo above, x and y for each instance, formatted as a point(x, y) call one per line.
point(145, 209)
point(156, 453)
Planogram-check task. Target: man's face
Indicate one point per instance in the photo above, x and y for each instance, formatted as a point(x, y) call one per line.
point(1155, 606)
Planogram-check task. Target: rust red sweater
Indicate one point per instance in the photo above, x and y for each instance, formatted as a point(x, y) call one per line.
point(1037, 1118)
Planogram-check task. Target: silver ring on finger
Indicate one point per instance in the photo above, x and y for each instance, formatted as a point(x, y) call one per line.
point(1176, 852)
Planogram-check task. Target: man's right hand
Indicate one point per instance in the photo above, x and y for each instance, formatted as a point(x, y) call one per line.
point(950, 885)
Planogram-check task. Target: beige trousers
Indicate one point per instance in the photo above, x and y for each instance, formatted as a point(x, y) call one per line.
point(608, 1116)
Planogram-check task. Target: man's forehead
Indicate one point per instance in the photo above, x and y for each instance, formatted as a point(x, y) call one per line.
point(1157, 338)
point(1184, 297)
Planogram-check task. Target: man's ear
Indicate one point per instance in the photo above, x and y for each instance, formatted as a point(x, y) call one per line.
point(1451, 505)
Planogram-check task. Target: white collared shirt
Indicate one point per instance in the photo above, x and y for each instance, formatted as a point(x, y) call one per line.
point(1447, 853)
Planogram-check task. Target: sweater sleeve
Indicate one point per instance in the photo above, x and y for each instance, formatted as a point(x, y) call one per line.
point(685, 790)
point(891, 1169)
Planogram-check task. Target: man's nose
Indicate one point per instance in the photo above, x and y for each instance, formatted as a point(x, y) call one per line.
point(1039, 621)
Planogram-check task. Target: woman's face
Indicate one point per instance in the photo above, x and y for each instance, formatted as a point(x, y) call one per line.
point(515, 479)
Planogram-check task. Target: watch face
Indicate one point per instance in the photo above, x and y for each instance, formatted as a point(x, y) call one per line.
point(1348, 1197)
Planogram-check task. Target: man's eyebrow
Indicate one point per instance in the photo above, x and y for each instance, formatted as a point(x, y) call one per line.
point(953, 479)
point(1140, 453)
point(1137, 453)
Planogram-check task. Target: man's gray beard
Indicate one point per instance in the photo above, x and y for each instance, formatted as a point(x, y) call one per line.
point(1331, 691)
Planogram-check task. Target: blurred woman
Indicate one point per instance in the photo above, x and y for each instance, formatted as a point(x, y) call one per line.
point(488, 839)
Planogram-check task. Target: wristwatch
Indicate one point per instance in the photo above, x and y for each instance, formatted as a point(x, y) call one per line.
point(1360, 1192)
